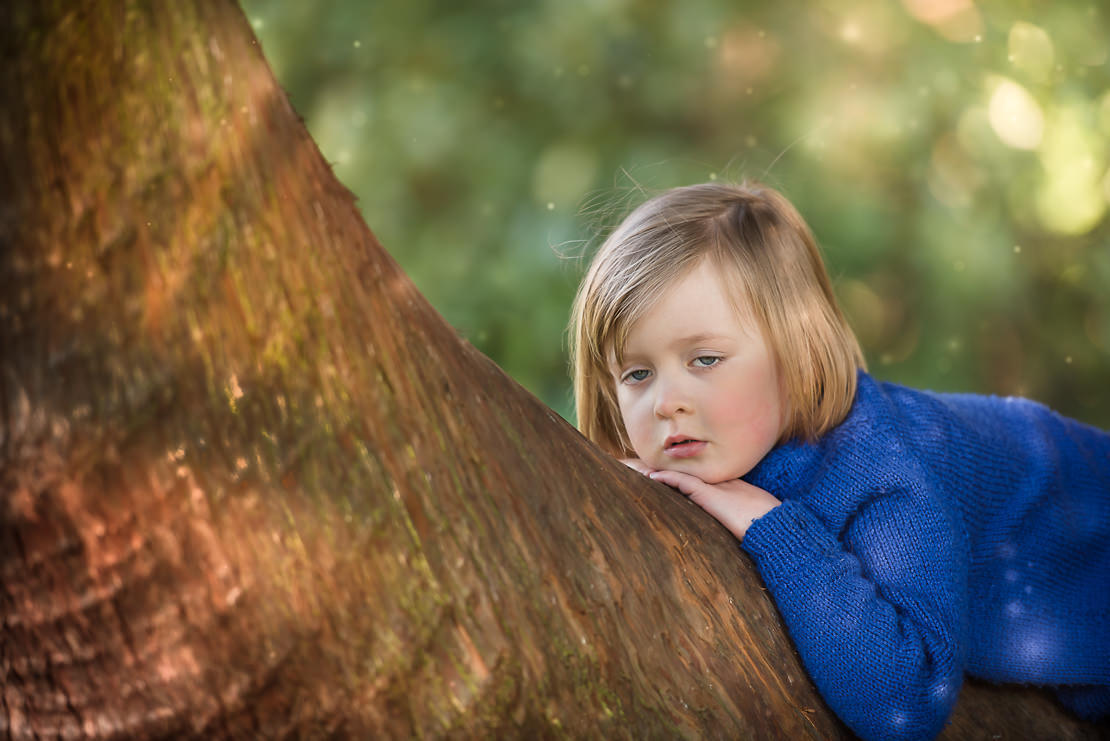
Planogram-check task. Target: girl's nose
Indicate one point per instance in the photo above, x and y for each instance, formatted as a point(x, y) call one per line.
point(670, 399)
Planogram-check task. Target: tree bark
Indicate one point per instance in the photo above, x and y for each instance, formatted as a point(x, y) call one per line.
point(252, 485)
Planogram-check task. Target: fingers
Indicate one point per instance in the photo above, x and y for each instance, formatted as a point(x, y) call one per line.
point(684, 482)
point(735, 504)
point(638, 465)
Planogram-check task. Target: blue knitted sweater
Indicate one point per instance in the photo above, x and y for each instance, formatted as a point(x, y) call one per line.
point(932, 535)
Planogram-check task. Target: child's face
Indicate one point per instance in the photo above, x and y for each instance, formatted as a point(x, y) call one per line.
point(698, 390)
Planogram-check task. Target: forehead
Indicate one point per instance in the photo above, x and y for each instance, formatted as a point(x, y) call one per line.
point(701, 302)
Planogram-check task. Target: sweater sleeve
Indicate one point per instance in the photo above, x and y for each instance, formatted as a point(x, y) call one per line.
point(876, 614)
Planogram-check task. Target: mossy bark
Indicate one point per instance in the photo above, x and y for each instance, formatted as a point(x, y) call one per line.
point(254, 486)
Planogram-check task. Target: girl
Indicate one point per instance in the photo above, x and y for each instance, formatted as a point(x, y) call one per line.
point(907, 536)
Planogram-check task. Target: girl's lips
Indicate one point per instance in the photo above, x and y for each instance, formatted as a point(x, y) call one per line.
point(685, 449)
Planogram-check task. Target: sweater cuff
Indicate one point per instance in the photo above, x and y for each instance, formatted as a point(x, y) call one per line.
point(786, 540)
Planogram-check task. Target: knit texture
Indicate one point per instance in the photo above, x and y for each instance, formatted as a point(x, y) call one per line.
point(932, 535)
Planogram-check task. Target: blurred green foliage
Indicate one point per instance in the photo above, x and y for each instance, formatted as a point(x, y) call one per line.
point(951, 157)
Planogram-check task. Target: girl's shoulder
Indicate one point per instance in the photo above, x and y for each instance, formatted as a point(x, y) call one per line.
point(968, 444)
point(930, 419)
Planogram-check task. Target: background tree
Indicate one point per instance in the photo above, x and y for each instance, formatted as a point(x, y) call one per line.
point(951, 158)
point(251, 484)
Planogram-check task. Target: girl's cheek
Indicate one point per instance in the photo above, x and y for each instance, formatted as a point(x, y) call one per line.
point(638, 430)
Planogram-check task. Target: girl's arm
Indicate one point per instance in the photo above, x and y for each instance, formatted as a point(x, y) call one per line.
point(735, 504)
point(876, 614)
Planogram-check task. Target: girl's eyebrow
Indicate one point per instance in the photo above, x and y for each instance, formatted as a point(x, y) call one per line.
point(699, 338)
point(693, 339)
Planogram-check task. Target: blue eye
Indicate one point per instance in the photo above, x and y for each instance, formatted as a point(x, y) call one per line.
point(635, 376)
point(706, 361)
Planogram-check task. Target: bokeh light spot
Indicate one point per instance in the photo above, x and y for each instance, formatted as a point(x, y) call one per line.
point(1031, 51)
point(1071, 197)
point(955, 20)
point(1015, 115)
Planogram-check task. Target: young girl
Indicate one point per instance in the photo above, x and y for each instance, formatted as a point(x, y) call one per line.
point(907, 536)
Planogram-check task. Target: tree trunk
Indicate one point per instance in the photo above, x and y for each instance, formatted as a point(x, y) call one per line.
point(252, 485)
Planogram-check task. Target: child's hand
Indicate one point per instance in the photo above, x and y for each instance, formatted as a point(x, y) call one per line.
point(638, 465)
point(734, 503)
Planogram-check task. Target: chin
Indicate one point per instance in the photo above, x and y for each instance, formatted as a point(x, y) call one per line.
point(719, 477)
point(709, 477)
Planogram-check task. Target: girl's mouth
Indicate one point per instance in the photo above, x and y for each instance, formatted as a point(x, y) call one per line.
point(683, 447)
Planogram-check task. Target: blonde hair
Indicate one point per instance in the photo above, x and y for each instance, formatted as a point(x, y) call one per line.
point(765, 252)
